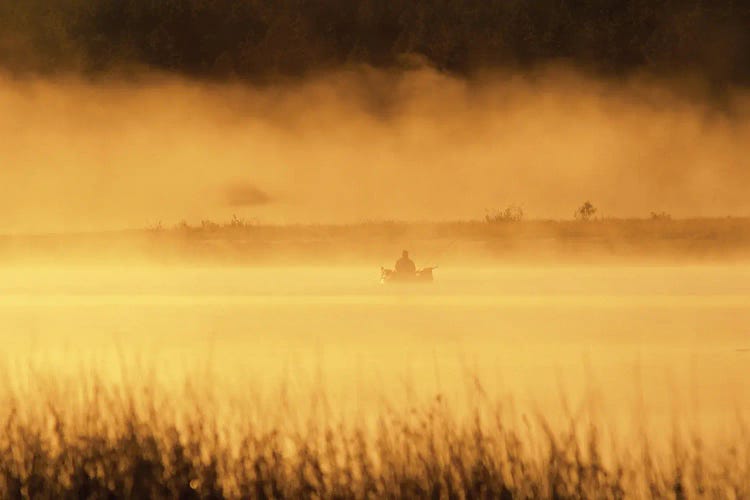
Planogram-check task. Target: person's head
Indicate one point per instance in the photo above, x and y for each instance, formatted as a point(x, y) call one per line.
point(405, 254)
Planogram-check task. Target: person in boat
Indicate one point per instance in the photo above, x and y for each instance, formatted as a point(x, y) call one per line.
point(405, 266)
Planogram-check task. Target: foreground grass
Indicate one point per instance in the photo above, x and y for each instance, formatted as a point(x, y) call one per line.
point(87, 439)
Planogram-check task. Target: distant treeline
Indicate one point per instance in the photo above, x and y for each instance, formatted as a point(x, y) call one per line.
point(262, 39)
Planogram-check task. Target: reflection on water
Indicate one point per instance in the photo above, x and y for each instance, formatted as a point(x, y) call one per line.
point(674, 336)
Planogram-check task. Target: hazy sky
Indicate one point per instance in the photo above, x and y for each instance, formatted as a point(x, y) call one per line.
point(359, 145)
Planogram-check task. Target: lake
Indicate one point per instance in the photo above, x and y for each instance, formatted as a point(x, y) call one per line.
point(675, 340)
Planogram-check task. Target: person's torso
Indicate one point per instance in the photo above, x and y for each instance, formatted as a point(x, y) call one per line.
point(405, 265)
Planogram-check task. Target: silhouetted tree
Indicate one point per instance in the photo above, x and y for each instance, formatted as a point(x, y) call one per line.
point(585, 212)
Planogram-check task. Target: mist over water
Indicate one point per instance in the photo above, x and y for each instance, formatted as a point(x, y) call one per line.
point(363, 144)
point(673, 337)
point(198, 198)
point(360, 145)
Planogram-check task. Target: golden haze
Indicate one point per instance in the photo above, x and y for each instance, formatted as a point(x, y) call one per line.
point(362, 145)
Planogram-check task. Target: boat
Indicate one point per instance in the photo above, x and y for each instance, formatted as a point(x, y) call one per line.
point(424, 275)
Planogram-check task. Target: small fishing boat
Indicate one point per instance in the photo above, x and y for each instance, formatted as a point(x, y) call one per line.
point(389, 276)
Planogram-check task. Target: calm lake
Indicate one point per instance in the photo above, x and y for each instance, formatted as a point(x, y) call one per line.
point(673, 339)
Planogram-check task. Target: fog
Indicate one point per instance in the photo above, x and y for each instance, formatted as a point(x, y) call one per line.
point(362, 144)
point(663, 340)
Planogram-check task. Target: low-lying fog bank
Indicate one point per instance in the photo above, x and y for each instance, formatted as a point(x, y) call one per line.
point(455, 243)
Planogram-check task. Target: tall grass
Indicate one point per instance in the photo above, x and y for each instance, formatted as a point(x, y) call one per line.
point(87, 439)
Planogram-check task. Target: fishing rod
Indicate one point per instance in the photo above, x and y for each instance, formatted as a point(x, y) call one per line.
point(434, 258)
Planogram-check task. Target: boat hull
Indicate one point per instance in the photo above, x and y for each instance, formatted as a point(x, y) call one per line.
point(389, 276)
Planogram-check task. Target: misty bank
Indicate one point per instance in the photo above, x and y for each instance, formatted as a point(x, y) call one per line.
point(375, 243)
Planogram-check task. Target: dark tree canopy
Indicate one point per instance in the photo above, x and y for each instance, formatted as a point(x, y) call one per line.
point(260, 39)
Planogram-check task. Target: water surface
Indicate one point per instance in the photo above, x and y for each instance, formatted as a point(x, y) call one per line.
point(676, 337)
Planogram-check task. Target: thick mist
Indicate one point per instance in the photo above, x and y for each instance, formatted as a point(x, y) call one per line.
point(362, 145)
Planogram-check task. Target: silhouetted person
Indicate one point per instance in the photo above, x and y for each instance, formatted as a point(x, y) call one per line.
point(405, 265)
